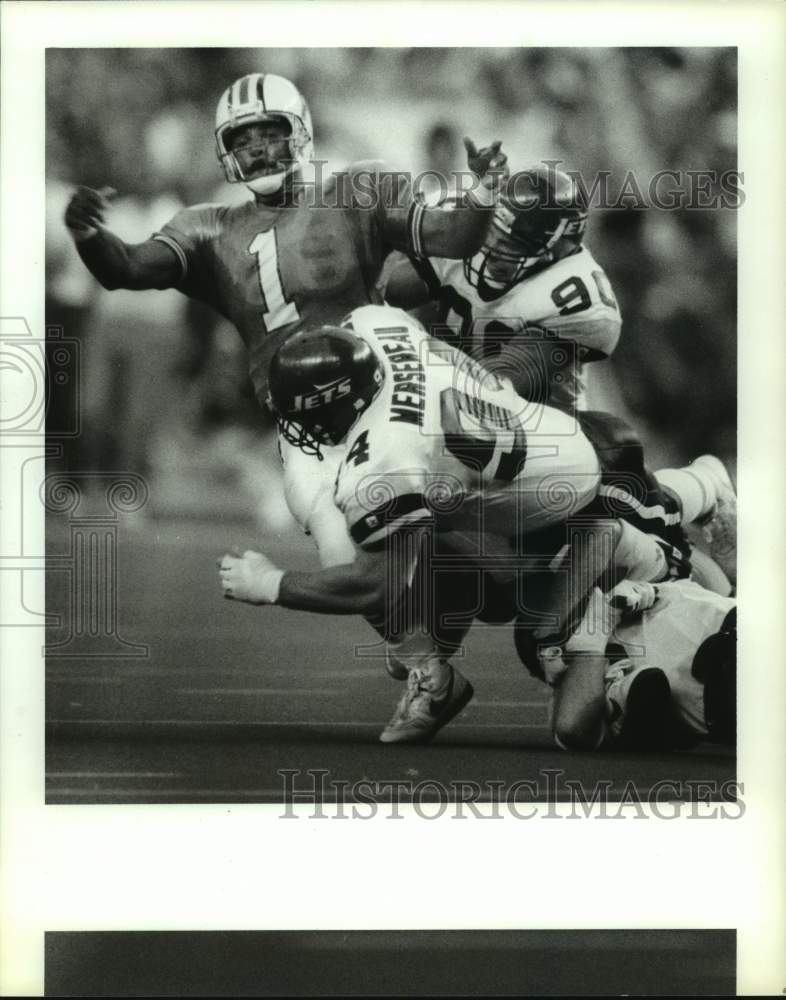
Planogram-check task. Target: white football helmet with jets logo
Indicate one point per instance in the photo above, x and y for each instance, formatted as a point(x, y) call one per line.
point(263, 97)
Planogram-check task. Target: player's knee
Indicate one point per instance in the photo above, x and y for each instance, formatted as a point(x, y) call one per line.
point(571, 732)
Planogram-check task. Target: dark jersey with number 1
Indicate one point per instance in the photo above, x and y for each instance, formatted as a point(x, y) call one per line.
point(274, 270)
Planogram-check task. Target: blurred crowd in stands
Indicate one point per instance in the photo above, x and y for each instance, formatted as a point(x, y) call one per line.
point(163, 384)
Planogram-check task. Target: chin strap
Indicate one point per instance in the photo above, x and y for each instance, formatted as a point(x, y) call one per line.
point(269, 185)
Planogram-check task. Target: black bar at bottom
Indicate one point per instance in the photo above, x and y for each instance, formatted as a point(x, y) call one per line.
point(390, 963)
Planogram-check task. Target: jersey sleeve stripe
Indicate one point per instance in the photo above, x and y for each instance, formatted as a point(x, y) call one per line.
point(649, 512)
point(415, 227)
point(389, 517)
point(425, 271)
point(178, 250)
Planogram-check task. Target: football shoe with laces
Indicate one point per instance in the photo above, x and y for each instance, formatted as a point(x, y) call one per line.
point(424, 709)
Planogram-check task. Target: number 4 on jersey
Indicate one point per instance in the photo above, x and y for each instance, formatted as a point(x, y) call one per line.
point(278, 311)
point(358, 453)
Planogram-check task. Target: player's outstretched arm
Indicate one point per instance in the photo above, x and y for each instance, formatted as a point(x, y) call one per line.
point(114, 263)
point(358, 588)
point(459, 233)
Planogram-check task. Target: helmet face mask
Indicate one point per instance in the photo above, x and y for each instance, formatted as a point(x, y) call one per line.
point(320, 383)
point(540, 218)
point(261, 149)
point(267, 100)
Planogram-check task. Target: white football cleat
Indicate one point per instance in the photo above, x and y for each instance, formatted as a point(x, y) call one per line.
point(424, 710)
point(719, 527)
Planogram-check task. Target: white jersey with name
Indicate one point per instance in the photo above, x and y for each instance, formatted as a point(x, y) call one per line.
point(572, 299)
point(442, 429)
point(667, 636)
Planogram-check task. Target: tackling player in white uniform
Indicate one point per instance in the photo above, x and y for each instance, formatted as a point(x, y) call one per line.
point(532, 303)
point(421, 437)
point(649, 668)
point(535, 307)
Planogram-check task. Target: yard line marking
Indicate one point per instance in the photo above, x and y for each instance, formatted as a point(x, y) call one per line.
point(132, 675)
point(509, 704)
point(90, 680)
point(273, 796)
point(197, 723)
point(323, 692)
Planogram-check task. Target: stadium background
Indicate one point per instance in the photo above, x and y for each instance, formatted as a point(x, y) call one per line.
point(163, 382)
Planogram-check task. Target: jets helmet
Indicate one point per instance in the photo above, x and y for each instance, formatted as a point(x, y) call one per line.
point(320, 382)
point(540, 218)
point(257, 98)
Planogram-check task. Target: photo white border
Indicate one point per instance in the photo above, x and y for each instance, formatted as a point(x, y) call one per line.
point(241, 867)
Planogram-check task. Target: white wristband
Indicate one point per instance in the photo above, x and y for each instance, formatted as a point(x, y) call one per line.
point(272, 585)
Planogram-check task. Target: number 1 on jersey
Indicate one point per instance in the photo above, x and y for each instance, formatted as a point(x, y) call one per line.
point(277, 310)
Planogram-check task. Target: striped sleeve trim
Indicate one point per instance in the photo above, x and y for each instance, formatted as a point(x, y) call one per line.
point(178, 250)
point(649, 512)
point(425, 271)
point(389, 517)
point(415, 226)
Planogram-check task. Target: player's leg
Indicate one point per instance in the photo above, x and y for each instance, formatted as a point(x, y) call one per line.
point(706, 496)
point(643, 557)
point(708, 574)
point(663, 503)
point(639, 708)
point(715, 667)
point(552, 602)
point(425, 629)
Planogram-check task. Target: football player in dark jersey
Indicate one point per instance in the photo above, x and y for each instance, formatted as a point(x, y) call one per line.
point(304, 251)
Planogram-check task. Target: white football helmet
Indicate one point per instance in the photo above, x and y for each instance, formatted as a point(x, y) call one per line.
point(263, 97)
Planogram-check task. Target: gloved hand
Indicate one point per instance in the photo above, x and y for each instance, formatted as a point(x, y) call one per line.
point(632, 598)
point(250, 577)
